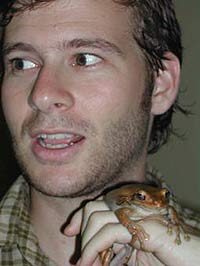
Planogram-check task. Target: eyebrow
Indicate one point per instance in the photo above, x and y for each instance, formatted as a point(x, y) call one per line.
point(95, 43)
point(20, 46)
point(98, 43)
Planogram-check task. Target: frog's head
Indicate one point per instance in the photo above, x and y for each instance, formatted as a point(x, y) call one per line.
point(151, 197)
point(142, 194)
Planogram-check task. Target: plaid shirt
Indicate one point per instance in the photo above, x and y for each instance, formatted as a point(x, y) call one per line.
point(18, 243)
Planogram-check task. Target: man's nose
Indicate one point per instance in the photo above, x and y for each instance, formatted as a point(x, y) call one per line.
point(51, 92)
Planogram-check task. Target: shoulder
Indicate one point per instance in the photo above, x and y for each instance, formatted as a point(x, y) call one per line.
point(190, 217)
point(11, 207)
point(15, 192)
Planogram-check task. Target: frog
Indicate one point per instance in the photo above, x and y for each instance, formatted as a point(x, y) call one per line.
point(134, 204)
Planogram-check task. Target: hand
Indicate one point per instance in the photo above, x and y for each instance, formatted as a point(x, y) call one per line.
point(95, 222)
point(100, 229)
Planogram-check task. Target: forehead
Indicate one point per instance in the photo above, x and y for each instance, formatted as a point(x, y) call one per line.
point(93, 15)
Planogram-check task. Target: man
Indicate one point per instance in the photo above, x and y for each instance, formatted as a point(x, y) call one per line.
point(87, 90)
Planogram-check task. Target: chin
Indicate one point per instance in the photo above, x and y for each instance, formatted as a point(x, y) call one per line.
point(52, 183)
point(57, 182)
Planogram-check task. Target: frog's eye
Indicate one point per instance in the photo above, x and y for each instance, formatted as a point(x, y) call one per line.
point(167, 194)
point(140, 196)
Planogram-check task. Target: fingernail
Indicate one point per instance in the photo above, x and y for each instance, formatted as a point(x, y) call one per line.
point(68, 230)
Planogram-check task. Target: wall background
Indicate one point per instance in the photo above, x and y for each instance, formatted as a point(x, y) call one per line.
point(180, 160)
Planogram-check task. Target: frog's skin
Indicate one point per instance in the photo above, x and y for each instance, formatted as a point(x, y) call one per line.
point(135, 203)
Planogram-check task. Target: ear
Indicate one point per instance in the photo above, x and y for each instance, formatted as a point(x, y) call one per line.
point(166, 85)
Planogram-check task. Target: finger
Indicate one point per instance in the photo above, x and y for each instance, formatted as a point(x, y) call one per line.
point(158, 237)
point(79, 219)
point(147, 258)
point(91, 207)
point(163, 246)
point(103, 239)
point(74, 227)
point(95, 222)
point(97, 262)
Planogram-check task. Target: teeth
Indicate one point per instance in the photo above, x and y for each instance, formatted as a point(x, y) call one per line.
point(54, 146)
point(55, 136)
point(60, 136)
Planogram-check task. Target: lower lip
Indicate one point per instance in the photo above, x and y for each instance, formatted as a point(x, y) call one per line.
point(56, 155)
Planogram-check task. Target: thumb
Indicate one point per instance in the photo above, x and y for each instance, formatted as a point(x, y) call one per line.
point(74, 227)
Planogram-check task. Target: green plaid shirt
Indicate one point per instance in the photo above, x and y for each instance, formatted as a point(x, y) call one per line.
point(18, 243)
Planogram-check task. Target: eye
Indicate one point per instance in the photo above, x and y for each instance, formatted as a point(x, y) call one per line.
point(87, 60)
point(140, 196)
point(167, 194)
point(20, 64)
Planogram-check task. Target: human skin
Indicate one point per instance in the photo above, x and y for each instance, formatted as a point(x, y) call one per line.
point(96, 223)
point(49, 89)
point(56, 95)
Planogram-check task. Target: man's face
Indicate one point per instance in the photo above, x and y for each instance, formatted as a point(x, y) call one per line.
point(72, 95)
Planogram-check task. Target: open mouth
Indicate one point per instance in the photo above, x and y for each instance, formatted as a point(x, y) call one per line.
point(58, 140)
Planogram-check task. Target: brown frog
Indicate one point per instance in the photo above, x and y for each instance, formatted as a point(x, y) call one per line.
point(140, 202)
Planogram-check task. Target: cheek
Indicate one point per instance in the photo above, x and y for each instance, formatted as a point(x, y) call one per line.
point(110, 103)
point(13, 105)
point(113, 97)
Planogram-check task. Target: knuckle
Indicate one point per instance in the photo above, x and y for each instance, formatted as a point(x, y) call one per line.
point(91, 206)
point(108, 227)
point(96, 215)
point(95, 218)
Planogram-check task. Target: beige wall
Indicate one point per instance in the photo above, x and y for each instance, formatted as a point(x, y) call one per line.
point(180, 161)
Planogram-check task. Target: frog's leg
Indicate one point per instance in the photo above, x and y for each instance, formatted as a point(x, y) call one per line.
point(172, 223)
point(136, 230)
point(105, 256)
point(178, 224)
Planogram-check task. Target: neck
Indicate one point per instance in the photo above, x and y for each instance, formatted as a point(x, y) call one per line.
point(50, 214)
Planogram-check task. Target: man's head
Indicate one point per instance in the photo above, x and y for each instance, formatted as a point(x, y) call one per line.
point(90, 76)
point(155, 29)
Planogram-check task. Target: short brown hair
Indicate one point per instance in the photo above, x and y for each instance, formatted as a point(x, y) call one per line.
point(156, 31)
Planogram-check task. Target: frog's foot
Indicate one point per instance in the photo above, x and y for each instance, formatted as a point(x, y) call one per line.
point(170, 229)
point(187, 237)
point(136, 230)
point(105, 256)
point(178, 235)
point(138, 233)
point(178, 225)
point(178, 228)
point(122, 258)
point(108, 258)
